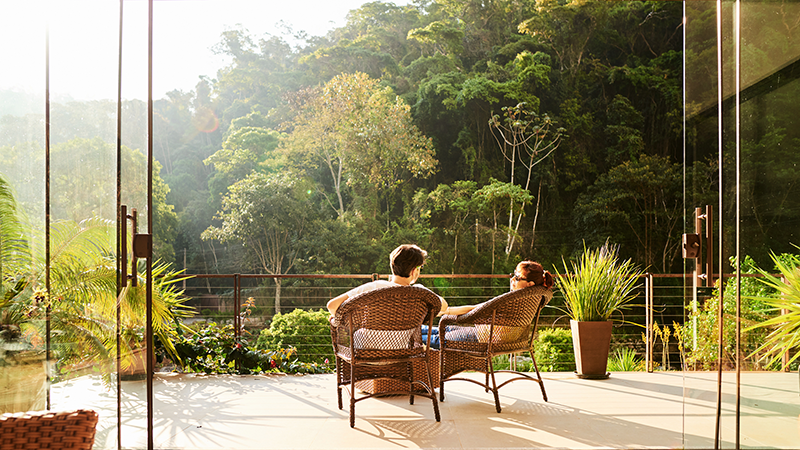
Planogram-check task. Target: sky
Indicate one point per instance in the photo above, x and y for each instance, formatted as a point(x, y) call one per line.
point(84, 40)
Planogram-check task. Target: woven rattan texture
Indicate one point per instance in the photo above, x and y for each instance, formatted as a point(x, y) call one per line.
point(378, 385)
point(376, 335)
point(383, 324)
point(502, 325)
point(48, 430)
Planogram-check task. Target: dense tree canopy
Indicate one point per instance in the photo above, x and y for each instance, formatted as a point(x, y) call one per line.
point(486, 132)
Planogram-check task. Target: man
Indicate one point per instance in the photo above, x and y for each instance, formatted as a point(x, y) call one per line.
point(406, 262)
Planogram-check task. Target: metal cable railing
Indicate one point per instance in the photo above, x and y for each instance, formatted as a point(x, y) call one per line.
point(654, 325)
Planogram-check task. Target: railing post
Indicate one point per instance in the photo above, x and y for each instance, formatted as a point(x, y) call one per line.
point(648, 307)
point(785, 362)
point(237, 321)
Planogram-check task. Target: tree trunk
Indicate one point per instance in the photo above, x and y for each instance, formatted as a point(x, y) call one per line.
point(536, 216)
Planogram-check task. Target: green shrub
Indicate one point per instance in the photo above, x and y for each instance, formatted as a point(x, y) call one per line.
point(214, 348)
point(306, 331)
point(553, 350)
point(704, 356)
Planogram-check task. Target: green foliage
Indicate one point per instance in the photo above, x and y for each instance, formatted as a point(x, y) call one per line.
point(755, 309)
point(18, 305)
point(355, 135)
point(395, 102)
point(267, 214)
point(624, 359)
point(640, 198)
point(784, 325)
point(307, 332)
point(598, 285)
point(553, 350)
point(215, 349)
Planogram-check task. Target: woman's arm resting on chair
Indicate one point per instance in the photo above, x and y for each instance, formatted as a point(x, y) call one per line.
point(458, 310)
point(335, 302)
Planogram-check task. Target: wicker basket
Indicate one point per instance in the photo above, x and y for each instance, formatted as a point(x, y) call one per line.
point(388, 385)
point(48, 430)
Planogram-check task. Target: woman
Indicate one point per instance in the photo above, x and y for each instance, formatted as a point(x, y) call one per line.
point(526, 274)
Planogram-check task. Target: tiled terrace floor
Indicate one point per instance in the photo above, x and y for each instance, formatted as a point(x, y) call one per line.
point(630, 410)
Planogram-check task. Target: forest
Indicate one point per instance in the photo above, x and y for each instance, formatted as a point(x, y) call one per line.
point(484, 131)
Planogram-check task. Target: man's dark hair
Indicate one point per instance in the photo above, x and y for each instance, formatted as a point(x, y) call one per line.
point(405, 258)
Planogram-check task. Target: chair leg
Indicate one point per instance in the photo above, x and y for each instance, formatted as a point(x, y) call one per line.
point(441, 373)
point(433, 394)
point(338, 382)
point(494, 386)
point(410, 369)
point(352, 395)
point(352, 411)
point(541, 381)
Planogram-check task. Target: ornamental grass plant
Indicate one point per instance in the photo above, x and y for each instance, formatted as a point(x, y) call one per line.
point(784, 327)
point(598, 285)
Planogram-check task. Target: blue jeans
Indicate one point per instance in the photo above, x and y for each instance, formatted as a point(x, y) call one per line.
point(469, 336)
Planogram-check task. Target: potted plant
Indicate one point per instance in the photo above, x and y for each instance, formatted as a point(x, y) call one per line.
point(598, 285)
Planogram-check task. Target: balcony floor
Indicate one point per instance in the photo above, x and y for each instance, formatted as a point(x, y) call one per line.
point(629, 410)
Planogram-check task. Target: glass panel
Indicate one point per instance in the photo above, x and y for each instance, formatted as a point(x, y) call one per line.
point(22, 307)
point(83, 70)
point(701, 164)
point(769, 212)
point(134, 167)
point(758, 216)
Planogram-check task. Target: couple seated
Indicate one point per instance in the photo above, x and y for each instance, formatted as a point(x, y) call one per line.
point(406, 264)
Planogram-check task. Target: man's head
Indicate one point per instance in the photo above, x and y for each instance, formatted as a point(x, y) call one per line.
point(405, 258)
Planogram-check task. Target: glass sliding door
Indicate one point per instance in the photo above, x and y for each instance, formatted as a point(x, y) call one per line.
point(768, 215)
point(23, 314)
point(707, 69)
point(83, 185)
point(74, 148)
point(741, 65)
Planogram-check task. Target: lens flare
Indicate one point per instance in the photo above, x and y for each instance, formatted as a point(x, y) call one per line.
point(205, 121)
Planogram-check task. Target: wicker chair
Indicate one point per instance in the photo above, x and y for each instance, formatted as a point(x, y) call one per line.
point(376, 335)
point(48, 430)
point(503, 325)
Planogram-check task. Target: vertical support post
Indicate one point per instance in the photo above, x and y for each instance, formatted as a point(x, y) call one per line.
point(48, 342)
point(648, 308)
point(237, 321)
point(786, 356)
point(149, 260)
point(709, 216)
point(237, 297)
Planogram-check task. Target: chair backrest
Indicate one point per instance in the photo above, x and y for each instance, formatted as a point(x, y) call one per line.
point(385, 322)
point(48, 429)
point(511, 316)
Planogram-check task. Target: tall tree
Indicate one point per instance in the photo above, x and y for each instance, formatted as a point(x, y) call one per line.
point(527, 138)
point(267, 215)
point(362, 137)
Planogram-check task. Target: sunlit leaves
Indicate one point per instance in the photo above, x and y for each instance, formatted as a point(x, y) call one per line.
point(363, 135)
point(598, 284)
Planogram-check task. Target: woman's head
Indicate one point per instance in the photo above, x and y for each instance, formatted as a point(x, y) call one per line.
point(530, 273)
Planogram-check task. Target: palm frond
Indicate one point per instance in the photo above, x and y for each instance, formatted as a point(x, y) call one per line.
point(784, 336)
